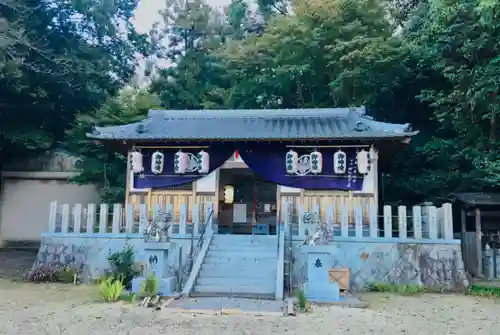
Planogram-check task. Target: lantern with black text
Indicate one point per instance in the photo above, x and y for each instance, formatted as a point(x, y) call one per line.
point(339, 162)
point(157, 162)
point(316, 162)
point(203, 162)
point(228, 194)
point(363, 161)
point(292, 162)
point(136, 162)
point(181, 160)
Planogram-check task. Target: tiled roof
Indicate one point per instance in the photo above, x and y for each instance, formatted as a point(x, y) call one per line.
point(262, 124)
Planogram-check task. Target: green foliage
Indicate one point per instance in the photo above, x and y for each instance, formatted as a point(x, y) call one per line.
point(301, 300)
point(408, 289)
point(111, 289)
point(53, 66)
point(123, 266)
point(150, 286)
point(102, 166)
point(484, 291)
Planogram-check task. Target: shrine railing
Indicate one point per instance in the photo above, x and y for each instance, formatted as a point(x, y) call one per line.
point(130, 219)
point(418, 223)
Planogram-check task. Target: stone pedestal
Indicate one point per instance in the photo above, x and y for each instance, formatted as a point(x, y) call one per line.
point(156, 262)
point(318, 287)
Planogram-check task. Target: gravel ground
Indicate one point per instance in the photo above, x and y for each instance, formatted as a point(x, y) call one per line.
point(66, 309)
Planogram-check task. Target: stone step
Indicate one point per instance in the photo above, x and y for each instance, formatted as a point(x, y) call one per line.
point(209, 271)
point(234, 259)
point(268, 284)
point(225, 237)
point(257, 253)
point(255, 296)
point(244, 245)
point(234, 290)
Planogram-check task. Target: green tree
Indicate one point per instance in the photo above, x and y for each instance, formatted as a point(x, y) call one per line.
point(100, 165)
point(58, 59)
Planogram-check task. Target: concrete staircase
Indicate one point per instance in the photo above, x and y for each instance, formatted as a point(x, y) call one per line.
point(239, 265)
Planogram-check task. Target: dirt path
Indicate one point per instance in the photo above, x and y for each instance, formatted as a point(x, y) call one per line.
point(66, 309)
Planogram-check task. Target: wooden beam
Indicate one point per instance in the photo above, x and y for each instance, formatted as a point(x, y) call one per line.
point(479, 244)
point(485, 213)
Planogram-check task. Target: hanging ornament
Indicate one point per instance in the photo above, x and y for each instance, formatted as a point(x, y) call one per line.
point(203, 162)
point(316, 162)
point(339, 162)
point(157, 162)
point(136, 162)
point(292, 162)
point(181, 160)
point(363, 161)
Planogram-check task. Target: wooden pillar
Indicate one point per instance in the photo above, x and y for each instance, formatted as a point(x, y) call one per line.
point(463, 222)
point(479, 244)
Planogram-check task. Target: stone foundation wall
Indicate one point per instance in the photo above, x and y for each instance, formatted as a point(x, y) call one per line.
point(89, 254)
point(436, 266)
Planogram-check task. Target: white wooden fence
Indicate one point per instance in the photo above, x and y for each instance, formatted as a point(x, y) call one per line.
point(128, 219)
point(418, 222)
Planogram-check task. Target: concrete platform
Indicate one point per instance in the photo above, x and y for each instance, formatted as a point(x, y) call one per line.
point(227, 305)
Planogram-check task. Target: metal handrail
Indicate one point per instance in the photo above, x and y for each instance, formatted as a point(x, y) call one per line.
point(200, 240)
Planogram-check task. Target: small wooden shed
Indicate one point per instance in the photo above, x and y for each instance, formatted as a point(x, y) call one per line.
point(479, 215)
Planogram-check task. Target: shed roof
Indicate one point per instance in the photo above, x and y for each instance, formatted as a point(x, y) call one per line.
point(257, 124)
point(478, 198)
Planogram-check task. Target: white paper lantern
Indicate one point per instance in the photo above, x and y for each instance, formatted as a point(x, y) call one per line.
point(136, 162)
point(228, 194)
point(292, 162)
point(363, 162)
point(203, 162)
point(157, 162)
point(316, 162)
point(181, 161)
point(339, 162)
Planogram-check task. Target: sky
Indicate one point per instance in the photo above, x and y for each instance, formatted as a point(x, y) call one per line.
point(147, 12)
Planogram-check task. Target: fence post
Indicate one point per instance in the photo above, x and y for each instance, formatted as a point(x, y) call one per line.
point(195, 214)
point(103, 218)
point(129, 218)
point(402, 224)
point(387, 221)
point(344, 222)
point(90, 218)
point(358, 219)
point(65, 218)
point(417, 222)
point(77, 218)
point(143, 218)
point(170, 211)
point(117, 218)
point(182, 219)
point(302, 228)
point(433, 223)
point(372, 212)
point(448, 221)
point(286, 214)
point(329, 218)
point(52, 216)
point(209, 209)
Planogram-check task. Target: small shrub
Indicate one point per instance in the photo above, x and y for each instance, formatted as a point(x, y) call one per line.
point(67, 275)
point(123, 265)
point(111, 289)
point(396, 288)
point(484, 291)
point(150, 286)
point(44, 273)
point(302, 301)
point(129, 297)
